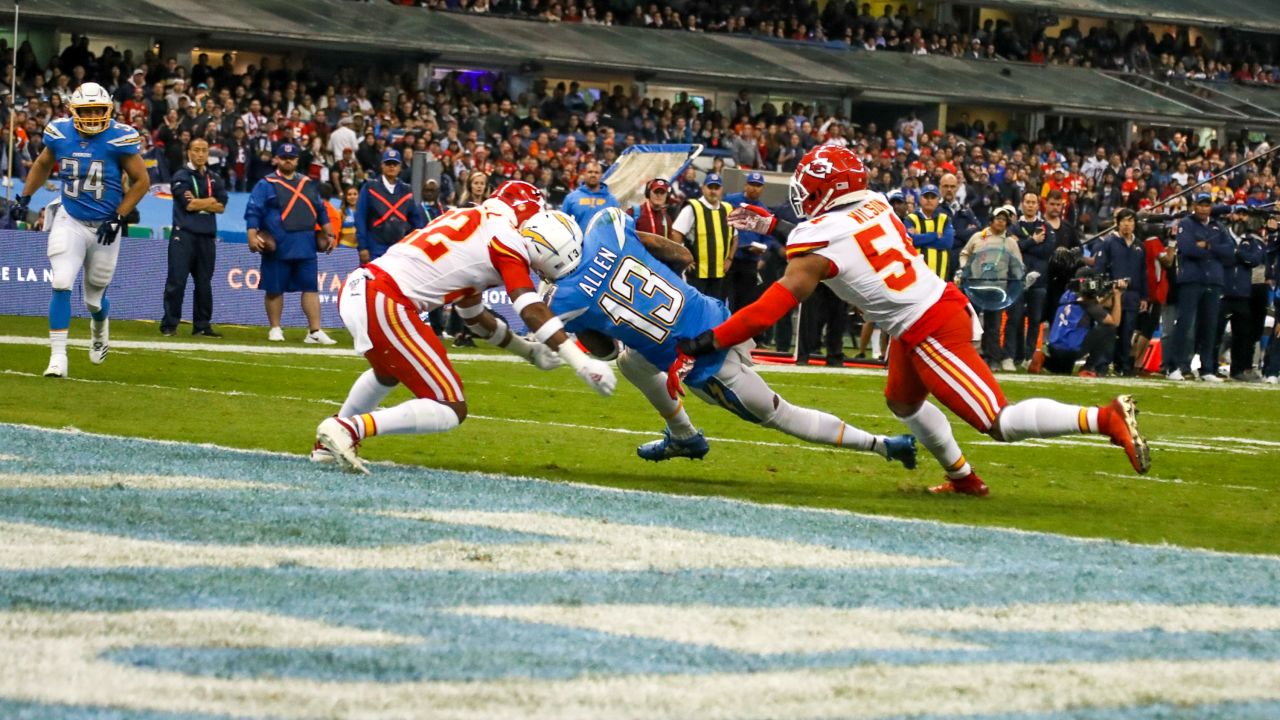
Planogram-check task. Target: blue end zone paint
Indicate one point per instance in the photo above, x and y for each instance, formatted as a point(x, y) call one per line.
point(326, 508)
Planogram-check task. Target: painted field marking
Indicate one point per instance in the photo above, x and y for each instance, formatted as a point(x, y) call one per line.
point(1177, 481)
point(133, 482)
point(583, 545)
point(806, 630)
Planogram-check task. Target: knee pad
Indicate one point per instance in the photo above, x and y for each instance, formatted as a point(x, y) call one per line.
point(633, 365)
point(93, 295)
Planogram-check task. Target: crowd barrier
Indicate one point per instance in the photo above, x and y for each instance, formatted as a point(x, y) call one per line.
point(137, 292)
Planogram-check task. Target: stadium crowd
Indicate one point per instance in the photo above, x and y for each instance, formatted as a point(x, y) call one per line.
point(1070, 178)
point(846, 23)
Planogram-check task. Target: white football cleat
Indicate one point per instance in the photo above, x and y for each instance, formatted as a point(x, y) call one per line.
point(101, 342)
point(341, 443)
point(319, 337)
point(321, 454)
point(57, 366)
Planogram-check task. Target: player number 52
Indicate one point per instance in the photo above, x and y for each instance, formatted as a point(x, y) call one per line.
point(91, 183)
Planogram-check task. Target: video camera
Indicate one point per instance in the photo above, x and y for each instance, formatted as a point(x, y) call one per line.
point(1091, 285)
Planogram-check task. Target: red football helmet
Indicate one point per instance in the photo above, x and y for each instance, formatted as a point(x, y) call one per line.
point(524, 199)
point(828, 176)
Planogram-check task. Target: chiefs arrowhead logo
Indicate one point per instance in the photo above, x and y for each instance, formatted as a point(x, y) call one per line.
point(820, 167)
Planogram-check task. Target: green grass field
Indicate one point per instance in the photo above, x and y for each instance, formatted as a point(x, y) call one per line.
point(1212, 483)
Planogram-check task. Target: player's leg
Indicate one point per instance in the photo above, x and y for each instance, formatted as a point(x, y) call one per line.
point(680, 438)
point(99, 269)
point(738, 388)
point(907, 397)
point(399, 345)
point(68, 243)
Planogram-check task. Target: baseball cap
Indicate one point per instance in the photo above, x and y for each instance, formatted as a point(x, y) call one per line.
point(1203, 197)
point(657, 184)
point(896, 196)
point(755, 178)
point(1005, 210)
point(713, 179)
point(391, 155)
point(286, 149)
point(929, 190)
point(431, 181)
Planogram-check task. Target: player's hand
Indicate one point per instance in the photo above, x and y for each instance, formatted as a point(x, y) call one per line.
point(18, 210)
point(752, 219)
point(598, 375)
point(676, 374)
point(544, 358)
point(109, 230)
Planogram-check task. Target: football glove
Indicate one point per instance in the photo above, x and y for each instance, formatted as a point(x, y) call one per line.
point(109, 230)
point(703, 344)
point(18, 209)
point(678, 371)
point(752, 219)
point(595, 373)
point(544, 358)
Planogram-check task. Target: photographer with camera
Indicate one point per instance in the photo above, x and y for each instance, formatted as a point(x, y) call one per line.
point(1237, 302)
point(1122, 257)
point(1085, 324)
point(1203, 247)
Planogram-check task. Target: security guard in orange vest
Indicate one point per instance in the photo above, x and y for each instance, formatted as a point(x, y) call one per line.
point(931, 232)
point(703, 226)
point(385, 211)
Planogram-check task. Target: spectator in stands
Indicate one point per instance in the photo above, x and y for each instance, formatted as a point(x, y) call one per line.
point(347, 209)
point(1248, 253)
point(475, 188)
point(1123, 257)
point(744, 280)
point(282, 216)
point(385, 211)
point(992, 256)
point(653, 215)
point(432, 205)
point(1203, 247)
point(199, 195)
point(1022, 333)
point(591, 196)
point(703, 226)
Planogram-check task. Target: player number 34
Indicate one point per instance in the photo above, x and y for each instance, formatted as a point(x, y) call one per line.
point(90, 183)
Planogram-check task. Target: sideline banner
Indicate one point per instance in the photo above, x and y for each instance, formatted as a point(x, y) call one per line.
point(137, 292)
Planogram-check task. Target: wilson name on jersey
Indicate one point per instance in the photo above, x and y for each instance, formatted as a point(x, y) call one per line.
point(91, 167)
point(452, 257)
point(621, 290)
point(878, 270)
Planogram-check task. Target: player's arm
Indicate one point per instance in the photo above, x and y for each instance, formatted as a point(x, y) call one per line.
point(484, 324)
point(759, 220)
point(37, 176)
point(135, 168)
point(671, 253)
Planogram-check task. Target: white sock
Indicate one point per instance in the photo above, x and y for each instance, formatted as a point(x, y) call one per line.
point(933, 431)
point(365, 394)
point(652, 383)
point(58, 342)
point(819, 427)
point(413, 416)
point(1040, 417)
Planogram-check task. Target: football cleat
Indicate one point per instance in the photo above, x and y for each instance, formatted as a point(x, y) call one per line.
point(318, 337)
point(694, 447)
point(57, 367)
point(970, 484)
point(334, 436)
point(321, 454)
point(100, 342)
point(901, 448)
point(275, 334)
point(1119, 421)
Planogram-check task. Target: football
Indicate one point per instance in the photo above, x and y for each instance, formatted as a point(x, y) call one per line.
point(268, 244)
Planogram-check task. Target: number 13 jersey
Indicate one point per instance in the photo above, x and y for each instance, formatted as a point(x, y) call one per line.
point(461, 253)
point(877, 269)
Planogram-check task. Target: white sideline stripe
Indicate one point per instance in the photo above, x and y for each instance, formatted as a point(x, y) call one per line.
point(11, 458)
point(217, 347)
point(1175, 481)
point(70, 430)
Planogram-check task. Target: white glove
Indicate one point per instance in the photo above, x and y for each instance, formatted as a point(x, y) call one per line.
point(593, 372)
point(1031, 278)
point(751, 219)
point(543, 357)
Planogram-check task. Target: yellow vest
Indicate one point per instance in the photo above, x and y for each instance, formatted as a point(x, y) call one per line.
point(712, 238)
point(936, 258)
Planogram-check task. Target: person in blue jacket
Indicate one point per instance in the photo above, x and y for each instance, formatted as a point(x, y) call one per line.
point(282, 218)
point(385, 210)
point(1122, 256)
point(591, 197)
point(1237, 295)
point(1203, 247)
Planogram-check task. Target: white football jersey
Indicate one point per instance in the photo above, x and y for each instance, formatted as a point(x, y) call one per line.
point(449, 259)
point(878, 270)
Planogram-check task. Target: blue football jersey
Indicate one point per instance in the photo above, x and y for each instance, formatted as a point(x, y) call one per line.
point(90, 167)
point(624, 292)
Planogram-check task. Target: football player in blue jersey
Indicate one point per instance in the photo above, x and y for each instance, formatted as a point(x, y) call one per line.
point(93, 154)
point(608, 282)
